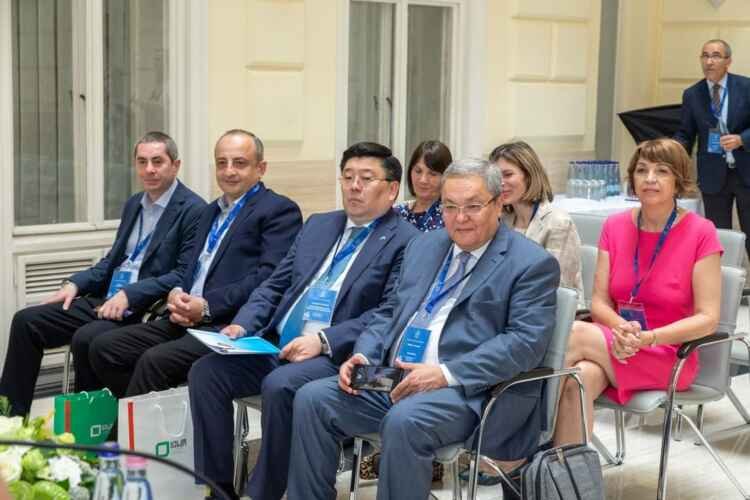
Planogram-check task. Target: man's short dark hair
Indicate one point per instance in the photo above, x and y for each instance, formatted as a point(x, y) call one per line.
point(161, 138)
point(390, 163)
point(259, 149)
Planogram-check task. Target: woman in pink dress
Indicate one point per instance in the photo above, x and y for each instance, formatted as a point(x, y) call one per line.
point(657, 285)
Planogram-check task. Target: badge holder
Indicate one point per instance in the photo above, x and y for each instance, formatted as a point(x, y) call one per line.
point(320, 304)
point(633, 311)
point(123, 276)
point(714, 141)
point(415, 340)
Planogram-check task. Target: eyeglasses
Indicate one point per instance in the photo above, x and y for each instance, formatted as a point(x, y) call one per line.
point(470, 210)
point(713, 57)
point(365, 180)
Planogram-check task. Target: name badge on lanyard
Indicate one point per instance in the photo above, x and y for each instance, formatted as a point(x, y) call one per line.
point(635, 311)
point(417, 334)
point(321, 299)
point(217, 231)
point(127, 272)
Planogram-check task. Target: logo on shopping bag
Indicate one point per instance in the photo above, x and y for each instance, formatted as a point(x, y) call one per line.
point(99, 430)
point(165, 448)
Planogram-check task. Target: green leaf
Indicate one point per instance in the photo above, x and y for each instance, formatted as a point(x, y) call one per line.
point(20, 490)
point(47, 490)
point(5, 406)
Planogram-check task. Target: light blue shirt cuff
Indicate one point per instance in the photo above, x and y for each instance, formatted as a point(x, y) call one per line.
point(452, 382)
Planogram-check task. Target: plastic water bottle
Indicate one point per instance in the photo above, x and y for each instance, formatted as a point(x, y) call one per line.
point(137, 486)
point(109, 480)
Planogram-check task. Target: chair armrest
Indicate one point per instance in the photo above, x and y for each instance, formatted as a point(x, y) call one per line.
point(156, 309)
point(688, 347)
point(584, 315)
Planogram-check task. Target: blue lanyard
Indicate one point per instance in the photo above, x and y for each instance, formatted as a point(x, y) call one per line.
point(438, 293)
point(350, 247)
point(717, 114)
point(657, 249)
point(216, 232)
point(140, 245)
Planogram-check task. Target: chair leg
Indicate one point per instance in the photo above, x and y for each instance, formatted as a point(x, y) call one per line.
point(472, 489)
point(715, 456)
point(699, 419)
point(661, 492)
point(620, 436)
point(241, 427)
point(457, 494)
point(66, 371)
point(677, 436)
point(356, 459)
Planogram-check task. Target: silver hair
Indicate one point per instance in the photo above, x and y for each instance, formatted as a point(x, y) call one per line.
point(475, 167)
point(727, 48)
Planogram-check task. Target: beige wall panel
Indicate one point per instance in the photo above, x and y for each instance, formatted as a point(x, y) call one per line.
point(571, 47)
point(312, 184)
point(277, 32)
point(545, 110)
point(670, 93)
point(531, 50)
point(276, 106)
point(681, 46)
point(739, 39)
point(682, 10)
point(227, 93)
point(558, 9)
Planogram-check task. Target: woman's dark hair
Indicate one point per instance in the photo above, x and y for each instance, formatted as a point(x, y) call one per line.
point(435, 155)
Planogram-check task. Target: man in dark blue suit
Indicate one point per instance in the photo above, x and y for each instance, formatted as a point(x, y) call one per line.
point(241, 238)
point(717, 111)
point(149, 257)
point(315, 304)
point(474, 306)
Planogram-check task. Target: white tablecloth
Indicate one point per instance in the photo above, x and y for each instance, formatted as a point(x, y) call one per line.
point(613, 204)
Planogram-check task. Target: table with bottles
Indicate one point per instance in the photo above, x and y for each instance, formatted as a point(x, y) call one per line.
point(595, 186)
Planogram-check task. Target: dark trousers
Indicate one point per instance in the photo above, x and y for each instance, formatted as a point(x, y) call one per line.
point(718, 207)
point(146, 357)
point(215, 381)
point(46, 326)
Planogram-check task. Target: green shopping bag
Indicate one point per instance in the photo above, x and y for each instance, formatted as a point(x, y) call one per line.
point(89, 416)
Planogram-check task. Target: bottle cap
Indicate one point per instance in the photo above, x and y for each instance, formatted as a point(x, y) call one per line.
point(134, 462)
point(112, 451)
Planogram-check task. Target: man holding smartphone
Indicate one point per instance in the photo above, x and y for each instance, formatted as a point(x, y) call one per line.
point(315, 304)
point(474, 306)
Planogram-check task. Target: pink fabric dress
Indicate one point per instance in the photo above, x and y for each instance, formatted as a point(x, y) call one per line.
point(666, 294)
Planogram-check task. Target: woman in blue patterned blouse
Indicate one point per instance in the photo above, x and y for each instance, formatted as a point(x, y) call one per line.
point(426, 167)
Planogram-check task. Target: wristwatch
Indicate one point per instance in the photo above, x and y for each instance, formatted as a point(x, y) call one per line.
point(206, 317)
point(325, 348)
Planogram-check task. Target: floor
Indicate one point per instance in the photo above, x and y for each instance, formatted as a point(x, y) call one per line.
point(692, 472)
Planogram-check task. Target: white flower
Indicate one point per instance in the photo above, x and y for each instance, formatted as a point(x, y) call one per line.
point(62, 468)
point(10, 425)
point(10, 465)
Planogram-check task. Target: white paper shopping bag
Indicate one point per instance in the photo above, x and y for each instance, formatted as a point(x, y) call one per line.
point(160, 423)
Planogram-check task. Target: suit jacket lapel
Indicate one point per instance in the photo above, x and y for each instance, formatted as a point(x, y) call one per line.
point(734, 101)
point(492, 257)
point(236, 224)
point(320, 247)
point(375, 242)
point(536, 226)
point(165, 221)
point(129, 223)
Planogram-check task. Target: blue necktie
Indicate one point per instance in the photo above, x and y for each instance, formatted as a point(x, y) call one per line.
point(295, 322)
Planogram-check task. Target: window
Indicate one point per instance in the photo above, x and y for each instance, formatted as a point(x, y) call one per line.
point(135, 90)
point(400, 72)
point(54, 180)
